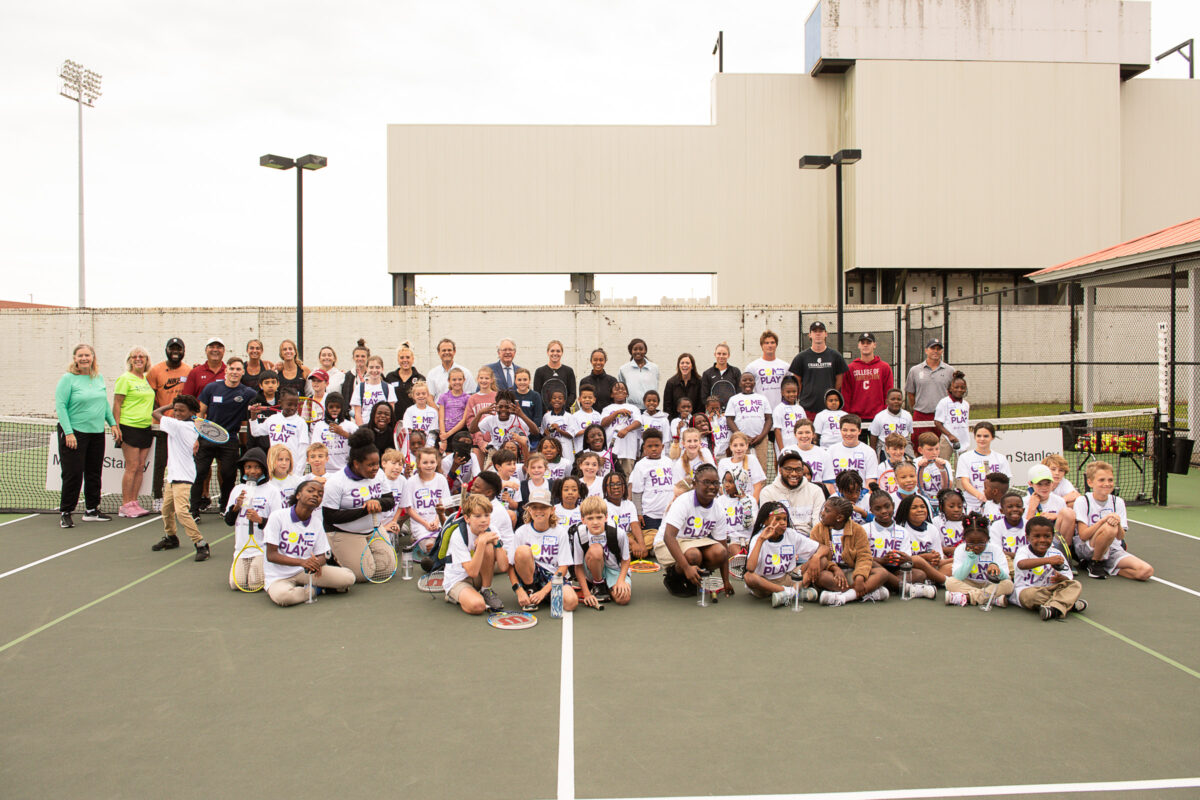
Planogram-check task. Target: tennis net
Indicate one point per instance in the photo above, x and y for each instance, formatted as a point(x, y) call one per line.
point(31, 477)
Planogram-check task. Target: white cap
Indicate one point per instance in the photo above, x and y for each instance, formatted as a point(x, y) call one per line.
point(215, 340)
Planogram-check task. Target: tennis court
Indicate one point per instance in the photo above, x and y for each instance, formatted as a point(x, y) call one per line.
point(128, 673)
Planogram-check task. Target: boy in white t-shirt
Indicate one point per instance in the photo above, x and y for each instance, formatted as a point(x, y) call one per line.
point(893, 419)
point(750, 413)
point(827, 422)
point(652, 484)
point(1043, 502)
point(181, 474)
point(1100, 528)
point(786, 414)
point(1060, 484)
point(652, 418)
point(286, 427)
point(586, 415)
point(1044, 581)
point(472, 558)
point(601, 555)
point(693, 536)
point(850, 453)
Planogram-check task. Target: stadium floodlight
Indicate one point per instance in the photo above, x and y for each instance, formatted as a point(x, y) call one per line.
point(838, 159)
point(82, 86)
point(309, 162)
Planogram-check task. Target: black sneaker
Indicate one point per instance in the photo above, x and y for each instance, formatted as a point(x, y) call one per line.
point(600, 590)
point(95, 515)
point(202, 553)
point(1080, 606)
point(65, 520)
point(1095, 569)
point(1049, 613)
point(196, 518)
point(203, 504)
point(677, 584)
point(492, 599)
point(167, 542)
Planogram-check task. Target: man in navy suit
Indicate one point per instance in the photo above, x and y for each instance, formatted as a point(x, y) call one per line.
point(505, 369)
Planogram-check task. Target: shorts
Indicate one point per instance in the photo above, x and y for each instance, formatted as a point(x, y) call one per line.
point(141, 438)
point(1116, 554)
point(664, 557)
point(541, 577)
point(455, 591)
point(611, 574)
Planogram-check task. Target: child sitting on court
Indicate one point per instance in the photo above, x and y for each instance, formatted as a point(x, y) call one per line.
point(181, 474)
point(251, 503)
point(296, 545)
point(1008, 532)
point(601, 555)
point(894, 547)
point(1060, 484)
point(286, 427)
point(1100, 528)
point(472, 558)
point(392, 465)
point(978, 562)
point(849, 572)
point(828, 421)
point(923, 541)
point(949, 523)
point(317, 456)
point(776, 550)
point(1043, 502)
point(541, 550)
point(1044, 581)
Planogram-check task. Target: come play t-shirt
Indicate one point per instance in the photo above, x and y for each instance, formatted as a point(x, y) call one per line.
point(777, 559)
point(768, 375)
point(295, 538)
point(974, 466)
point(654, 480)
point(693, 521)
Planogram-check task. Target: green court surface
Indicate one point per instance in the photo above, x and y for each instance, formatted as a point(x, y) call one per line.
point(127, 673)
point(1182, 512)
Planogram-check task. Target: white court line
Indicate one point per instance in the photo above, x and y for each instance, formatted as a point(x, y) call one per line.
point(18, 519)
point(1175, 586)
point(76, 547)
point(1167, 530)
point(961, 791)
point(566, 713)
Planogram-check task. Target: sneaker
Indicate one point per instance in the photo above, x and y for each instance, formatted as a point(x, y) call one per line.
point(1001, 601)
point(877, 596)
point(167, 542)
point(492, 599)
point(783, 598)
point(922, 590)
point(95, 515)
point(203, 504)
point(128, 510)
point(1080, 606)
point(157, 505)
point(957, 599)
point(1095, 569)
point(677, 584)
point(140, 512)
point(1049, 613)
point(832, 599)
point(202, 552)
point(65, 520)
point(808, 594)
point(600, 590)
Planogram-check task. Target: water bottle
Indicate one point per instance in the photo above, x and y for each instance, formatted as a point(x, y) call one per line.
point(701, 591)
point(906, 580)
point(556, 596)
point(406, 563)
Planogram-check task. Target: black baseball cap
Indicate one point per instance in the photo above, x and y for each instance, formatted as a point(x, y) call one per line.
point(174, 341)
point(933, 343)
point(817, 326)
point(866, 337)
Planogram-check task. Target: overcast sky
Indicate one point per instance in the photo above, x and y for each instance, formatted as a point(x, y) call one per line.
point(178, 211)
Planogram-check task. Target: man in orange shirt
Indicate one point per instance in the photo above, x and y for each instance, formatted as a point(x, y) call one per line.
point(166, 378)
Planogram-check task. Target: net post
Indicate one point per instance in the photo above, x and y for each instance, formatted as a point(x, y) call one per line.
point(1162, 421)
point(999, 350)
point(1073, 308)
point(945, 329)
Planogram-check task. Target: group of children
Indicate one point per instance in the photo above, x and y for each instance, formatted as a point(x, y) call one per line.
point(483, 489)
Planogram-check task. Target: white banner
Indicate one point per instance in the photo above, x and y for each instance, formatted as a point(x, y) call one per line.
point(110, 474)
point(1026, 447)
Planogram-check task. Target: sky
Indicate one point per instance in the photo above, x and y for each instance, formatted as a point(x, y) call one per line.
point(177, 210)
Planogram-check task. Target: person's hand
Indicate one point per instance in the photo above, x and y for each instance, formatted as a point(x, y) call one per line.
point(116, 434)
point(637, 548)
point(254, 517)
point(237, 506)
point(839, 579)
point(933, 557)
point(621, 434)
point(392, 527)
point(727, 589)
point(196, 447)
point(312, 564)
point(809, 573)
point(70, 441)
point(1057, 561)
point(953, 441)
point(490, 537)
point(373, 507)
point(941, 462)
point(523, 599)
point(993, 571)
point(692, 573)
point(589, 599)
point(339, 430)
point(621, 591)
point(860, 585)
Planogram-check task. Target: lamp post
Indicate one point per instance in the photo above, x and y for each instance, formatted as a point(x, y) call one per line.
point(83, 86)
point(821, 162)
point(302, 163)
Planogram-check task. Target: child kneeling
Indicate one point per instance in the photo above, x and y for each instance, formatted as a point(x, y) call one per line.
point(601, 555)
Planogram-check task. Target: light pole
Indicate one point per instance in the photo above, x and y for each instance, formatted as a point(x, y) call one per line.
point(302, 163)
point(821, 162)
point(83, 86)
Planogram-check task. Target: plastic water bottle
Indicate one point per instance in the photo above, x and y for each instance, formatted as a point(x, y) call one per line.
point(406, 563)
point(556, 596)
point(906, 580)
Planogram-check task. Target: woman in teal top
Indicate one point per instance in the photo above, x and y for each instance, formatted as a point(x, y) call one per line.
point(81, 402)
point(133, 400)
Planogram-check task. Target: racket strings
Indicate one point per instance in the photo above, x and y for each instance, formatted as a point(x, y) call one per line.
point(248, 572)
point(379, 560)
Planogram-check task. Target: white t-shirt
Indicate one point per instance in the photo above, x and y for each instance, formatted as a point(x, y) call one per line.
point(181, 437)
point(396, 487)
point(660, 422)
point(1064, 488)
point(500, 431)
point(654, 479)
point(1053, 504)
point(1089, 510)
point(567, 516)
point(886, 539)
point(768, 375)
point(1006, 538)
point(749, 412)
point(784, 419)
point(627, 414)
point(582, 420)
point(926, 541)
point(720, 434)
point(369, 395)
point(929, 478)
point(817, 459)
point(262, 498)
point(956, 419)
point(295, 538)
point(421, 419)
point(681, 470)
point(346, 490)
point(287, 487)
point(693, 521)
point(827, 424)
point(951, 532)
point(438, 379)
point(777, 559)
point(740, 514)
point(859, 458)
point(338, 445)
point(501, 523)
point(291, 432)
point(567, 422)
point(975, 466)
point(584, 539)
point(991, 555)
point(621, 516)
point(551, 548)
point(463, 473)
point(558, 470)
point(596, 487)
point(886, 423)
point(422, 498)
point(752, 473)
point(1036, 576)
point(459, 552)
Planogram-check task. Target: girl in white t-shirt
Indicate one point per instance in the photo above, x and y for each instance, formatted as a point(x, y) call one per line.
point(567, 494)
point(557, 467)
point(952, 416)
point(334, 430)
point(622, 423)
point(924, 545)
point(296, 544)
point(355, 503)
point(251, 503)
point(777, 550)
point(622, 514)
point(588, 464)
point(371, 391)
point(741, 509)
point(678, 425)
point(718, 426)
point(975, 465)
point(594, 442)
point(949, 523)
point(750, 475)
point(749, 412)
point(425, 496)
point(980, 570)
point(279, 467)
point(828, 421)
point(421, 416)
point(691, 455)
point(786, 414)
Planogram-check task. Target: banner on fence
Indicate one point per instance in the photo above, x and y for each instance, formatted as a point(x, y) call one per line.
point(110, 475)
point(1026, 447)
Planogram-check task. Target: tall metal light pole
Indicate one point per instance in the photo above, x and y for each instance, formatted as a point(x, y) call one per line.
point(83, 86)
point(302, 163)
point(821, 162)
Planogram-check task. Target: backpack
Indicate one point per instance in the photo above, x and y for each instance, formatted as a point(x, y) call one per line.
point(610, 533)
point(440, 554)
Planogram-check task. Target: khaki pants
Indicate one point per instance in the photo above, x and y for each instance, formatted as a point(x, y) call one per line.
point(293, 590)
point(979, 591)
point(177, 506)
point(348, 550)
point(1061, 596)
point(248, 572)
point(760, 452)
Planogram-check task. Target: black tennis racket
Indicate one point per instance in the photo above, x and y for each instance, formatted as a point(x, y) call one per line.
point(723, 390)
point(554, 385)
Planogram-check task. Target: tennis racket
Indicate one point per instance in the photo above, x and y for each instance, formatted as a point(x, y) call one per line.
point(210, 430)
point(246, 573)
point(378, 560)
point(737, 566)
point(431, 583)
point(311, 410)
point(551, 386)
point(642, 566)
point(887, 481)
point(723, 390)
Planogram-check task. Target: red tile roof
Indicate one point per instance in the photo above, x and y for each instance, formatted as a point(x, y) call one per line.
point(1183, 233)
point(19, 304)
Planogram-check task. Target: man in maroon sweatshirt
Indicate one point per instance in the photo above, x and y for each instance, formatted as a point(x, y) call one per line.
point(867, 381)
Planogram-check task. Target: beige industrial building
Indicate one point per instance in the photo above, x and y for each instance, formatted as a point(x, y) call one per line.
point(998, 137)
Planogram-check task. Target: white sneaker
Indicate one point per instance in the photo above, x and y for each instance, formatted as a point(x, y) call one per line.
point(832, 599)
point(922, 590)
point(783, 597)
point(957, 599)
point(877, 596)
point(1001, 601)
point(809, 594)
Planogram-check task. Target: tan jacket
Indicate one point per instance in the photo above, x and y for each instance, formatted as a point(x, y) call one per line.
point(856, 550)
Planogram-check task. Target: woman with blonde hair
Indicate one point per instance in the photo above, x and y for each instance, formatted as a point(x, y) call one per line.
point(292, 372)
point(402, 377)
point(81, 403)
point(133, 403)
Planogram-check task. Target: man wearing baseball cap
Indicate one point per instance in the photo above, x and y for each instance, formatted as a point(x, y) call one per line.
point(867, 382)
point(166, 378)
point(213, 369)
point(819, 369)
point(802, 497)
point(926, 384)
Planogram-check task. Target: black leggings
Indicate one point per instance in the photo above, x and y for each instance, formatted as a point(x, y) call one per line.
point(81, 466)
point(227, 457)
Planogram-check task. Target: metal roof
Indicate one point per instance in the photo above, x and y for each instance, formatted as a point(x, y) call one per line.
point(1178, 240)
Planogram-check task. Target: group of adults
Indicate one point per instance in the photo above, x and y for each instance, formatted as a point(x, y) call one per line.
point(227, 388)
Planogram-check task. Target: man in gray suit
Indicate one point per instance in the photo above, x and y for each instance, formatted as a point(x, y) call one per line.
point(505, 369)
